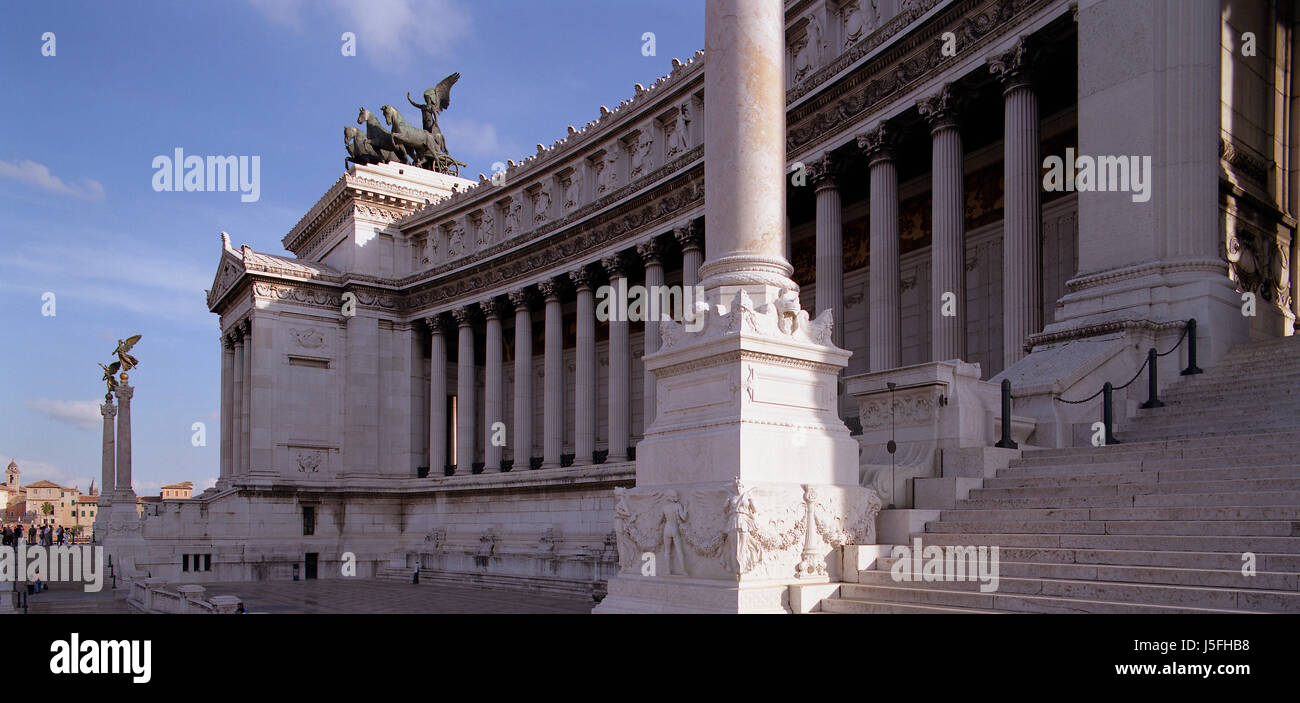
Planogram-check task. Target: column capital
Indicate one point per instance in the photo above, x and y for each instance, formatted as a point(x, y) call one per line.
point(582, 278)
point(689, 236)
point(492, 308)
point(436, 324)
point(228, 341)
point(823, 171)
point(124, 393)
point(107, 409)
point(521, 298)
point(879, 143)
point(940, 109)
point(615, 265)
point(651, 252)
point(550, 288)
point(464, 316)
point(1014, 67)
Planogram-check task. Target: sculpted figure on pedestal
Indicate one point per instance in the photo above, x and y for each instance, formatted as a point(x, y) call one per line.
point(674, 515)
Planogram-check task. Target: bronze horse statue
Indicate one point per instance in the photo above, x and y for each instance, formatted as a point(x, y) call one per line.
point(380, 139)
point(422, 145)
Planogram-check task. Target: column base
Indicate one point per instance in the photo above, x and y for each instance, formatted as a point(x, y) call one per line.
point(636, 594)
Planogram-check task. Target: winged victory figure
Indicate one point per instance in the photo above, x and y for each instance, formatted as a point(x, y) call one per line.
point(436, 99)
point(125, 360)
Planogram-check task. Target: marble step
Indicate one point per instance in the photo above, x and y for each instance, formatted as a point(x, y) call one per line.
point(1245, 485)
point(866, 607)
point(1146, 476)
point(1259, 440)
point(935, 595)
point(1225, 514)
point(1138, 542)
point(1173, 500)
point(1251, 598)
point(1261, 528)
point(1210, 578)
point(1218, 561)
point(1151, 462)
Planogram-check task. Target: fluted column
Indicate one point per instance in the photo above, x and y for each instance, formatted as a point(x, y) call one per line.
point(491, 383)
point(947, 251)
point(650, 253)
point(122, 482)
point(553, 389)
point(108, 463)
point(437, 395)
point(830, 248)
point(584, 382)
point(227, 405)
point(464, 391)
point(237, 403)
point(884, 304)
point(619, 405)
point(1022, 244)
point(688, 236)
point(523, 416)
point(246, 404)
point(745, 149)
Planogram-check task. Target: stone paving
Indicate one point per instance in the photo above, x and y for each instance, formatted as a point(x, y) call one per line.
point(340, 596)
point(370, 596)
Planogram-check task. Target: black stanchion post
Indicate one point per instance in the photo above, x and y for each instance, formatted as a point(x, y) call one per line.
point(1006, 442)
point(1153, 400)
point(1192, 369)
point(1108, 413)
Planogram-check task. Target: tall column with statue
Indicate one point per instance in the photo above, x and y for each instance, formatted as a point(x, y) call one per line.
point(747, 480)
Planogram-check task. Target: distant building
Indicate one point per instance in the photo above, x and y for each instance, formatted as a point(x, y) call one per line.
point(181, 490)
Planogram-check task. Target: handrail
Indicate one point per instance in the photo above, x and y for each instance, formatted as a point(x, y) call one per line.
point(1107, 388)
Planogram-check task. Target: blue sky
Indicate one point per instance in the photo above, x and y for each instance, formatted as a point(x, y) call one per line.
point(133, 80)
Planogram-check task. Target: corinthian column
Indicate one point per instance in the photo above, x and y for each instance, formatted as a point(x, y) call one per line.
point(523, 441)
point(491, 383)
point(947, 248)
point(619, 405)
point(886, 339)
point(123, 491)
point(1022, 244)
point(830, 247)
point(688, 236)
point(553, 389)
point(464, 391)
point(745, 151)
point(246, 403)
point(748, 428)
point(584, 381)
point(654, 282)
point(237, 402)
point(437, 395)
point(107, 480)
point(227, 406)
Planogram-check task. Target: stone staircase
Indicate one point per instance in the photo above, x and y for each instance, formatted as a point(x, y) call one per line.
point(398, 574)
point(1156, 524)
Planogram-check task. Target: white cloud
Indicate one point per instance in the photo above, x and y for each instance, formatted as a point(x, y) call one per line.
point(477, 138)
point(388, 31)
point(113, 276)
point(33, 471)
point(39, 175)
point(82, 414)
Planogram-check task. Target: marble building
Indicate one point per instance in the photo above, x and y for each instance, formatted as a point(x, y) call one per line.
point(421, 381)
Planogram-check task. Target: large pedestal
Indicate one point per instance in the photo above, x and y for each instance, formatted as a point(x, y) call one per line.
point(933, 410)
point(747, 478)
